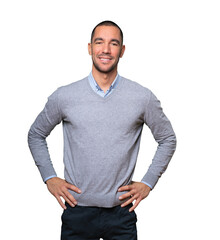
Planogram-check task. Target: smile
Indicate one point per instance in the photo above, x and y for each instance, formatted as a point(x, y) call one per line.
point(105, 59)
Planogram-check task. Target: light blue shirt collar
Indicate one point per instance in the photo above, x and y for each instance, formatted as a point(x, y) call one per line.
point(97, 88)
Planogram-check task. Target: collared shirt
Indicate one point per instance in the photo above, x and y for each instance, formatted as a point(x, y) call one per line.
point(97, 88)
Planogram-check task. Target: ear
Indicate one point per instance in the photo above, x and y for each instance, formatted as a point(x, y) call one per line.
point(90, 48)
point(122, 51)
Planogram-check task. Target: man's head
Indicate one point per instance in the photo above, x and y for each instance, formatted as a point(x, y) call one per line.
point(107, 23)
point(106, 47)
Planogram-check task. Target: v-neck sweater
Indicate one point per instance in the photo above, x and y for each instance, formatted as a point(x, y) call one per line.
point(102, 138)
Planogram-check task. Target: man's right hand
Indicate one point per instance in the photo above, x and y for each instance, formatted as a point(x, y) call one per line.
point(59, 188)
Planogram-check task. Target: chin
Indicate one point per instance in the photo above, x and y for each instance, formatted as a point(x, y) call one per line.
point(104, 70)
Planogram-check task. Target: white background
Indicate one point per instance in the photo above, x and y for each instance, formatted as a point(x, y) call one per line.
point(172, 47)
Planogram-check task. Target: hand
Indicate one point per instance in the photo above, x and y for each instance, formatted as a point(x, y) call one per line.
point(59, 188)
point(137, 191)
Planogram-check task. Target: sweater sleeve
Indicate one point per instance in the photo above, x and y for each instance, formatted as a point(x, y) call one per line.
point(40, 129)
point(164, 135)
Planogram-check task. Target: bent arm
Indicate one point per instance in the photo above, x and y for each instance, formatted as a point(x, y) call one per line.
point(40, 129)
point(164, 135)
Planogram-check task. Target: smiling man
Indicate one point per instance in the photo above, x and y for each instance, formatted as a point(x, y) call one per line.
point(103, 116)
point(106, 48)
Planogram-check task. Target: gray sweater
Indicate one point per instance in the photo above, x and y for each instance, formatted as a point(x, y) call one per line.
point(102, 138)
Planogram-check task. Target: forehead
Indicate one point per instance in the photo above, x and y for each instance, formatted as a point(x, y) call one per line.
point(107, 33)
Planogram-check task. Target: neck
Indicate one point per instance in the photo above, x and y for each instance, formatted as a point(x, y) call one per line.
point(104, 80)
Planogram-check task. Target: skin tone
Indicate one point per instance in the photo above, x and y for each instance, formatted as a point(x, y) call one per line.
point(105, 49)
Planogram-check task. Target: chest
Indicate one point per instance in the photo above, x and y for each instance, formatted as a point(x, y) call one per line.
point(123, 114)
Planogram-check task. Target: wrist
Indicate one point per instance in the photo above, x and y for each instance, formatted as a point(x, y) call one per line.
point(147, 184)
point(49, 179)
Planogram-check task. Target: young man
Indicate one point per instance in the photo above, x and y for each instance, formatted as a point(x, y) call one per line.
point(103, 116)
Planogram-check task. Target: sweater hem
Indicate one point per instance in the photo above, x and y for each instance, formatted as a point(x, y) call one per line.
point(98, 200)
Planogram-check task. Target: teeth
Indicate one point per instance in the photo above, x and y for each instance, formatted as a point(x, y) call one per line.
point(105, 59)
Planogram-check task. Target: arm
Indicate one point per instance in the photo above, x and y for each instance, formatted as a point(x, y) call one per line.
point(40, 129)
point(164, 135)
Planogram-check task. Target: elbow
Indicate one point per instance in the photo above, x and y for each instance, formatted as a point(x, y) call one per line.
point(173, 141)
point(169, 142)
point(30, 137)
point(34, 138)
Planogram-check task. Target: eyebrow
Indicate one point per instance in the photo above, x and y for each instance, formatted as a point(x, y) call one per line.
point(112, 40)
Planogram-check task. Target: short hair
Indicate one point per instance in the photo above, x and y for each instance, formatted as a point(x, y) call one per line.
point(107, 23)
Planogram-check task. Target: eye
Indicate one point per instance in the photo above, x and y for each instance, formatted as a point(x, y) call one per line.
point(98, 43)
point(114, 43)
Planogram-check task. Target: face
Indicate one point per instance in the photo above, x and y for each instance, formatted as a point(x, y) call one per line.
point(106, 49)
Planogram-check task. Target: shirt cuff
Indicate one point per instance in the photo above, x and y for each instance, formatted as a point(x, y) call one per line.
point(49, 178)
point(147, 184)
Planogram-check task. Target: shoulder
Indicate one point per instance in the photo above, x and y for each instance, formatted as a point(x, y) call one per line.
point(72, 87)
point(66, 94)
point(135, 89)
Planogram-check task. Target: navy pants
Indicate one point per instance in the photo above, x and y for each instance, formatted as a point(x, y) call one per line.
point(82, 223)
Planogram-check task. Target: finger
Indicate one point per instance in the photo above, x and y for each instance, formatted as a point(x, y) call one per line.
point(135, 205)
point(68, 197)
point(126, 195)
point(124, 188)
point(128, 202)
point(73, 188)
point(61, 202)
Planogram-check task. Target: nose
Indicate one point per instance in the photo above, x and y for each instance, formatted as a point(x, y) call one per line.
point(106, 48)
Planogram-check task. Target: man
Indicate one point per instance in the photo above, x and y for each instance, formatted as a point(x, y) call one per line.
point(103, 116)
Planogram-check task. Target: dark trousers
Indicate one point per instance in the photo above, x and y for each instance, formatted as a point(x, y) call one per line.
point(82, 223)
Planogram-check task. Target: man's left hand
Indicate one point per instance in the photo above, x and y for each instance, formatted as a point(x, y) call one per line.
point(137, 192)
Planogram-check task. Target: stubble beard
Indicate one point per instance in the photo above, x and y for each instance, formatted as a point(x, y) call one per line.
point(110, 69)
